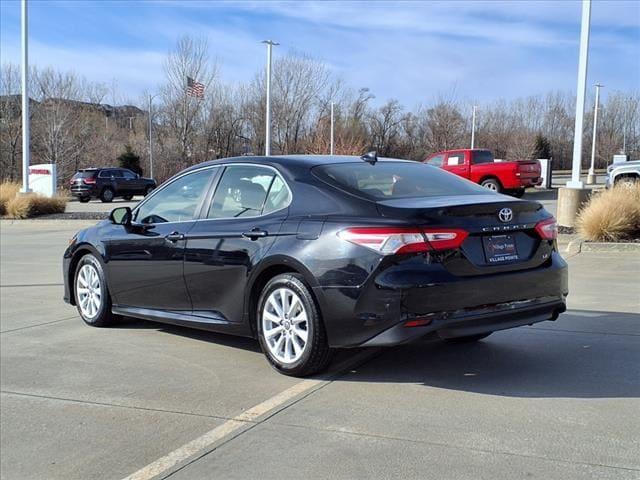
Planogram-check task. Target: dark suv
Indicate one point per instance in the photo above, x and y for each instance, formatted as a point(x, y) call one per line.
point(108, 183)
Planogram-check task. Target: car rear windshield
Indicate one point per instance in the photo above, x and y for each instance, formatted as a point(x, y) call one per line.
point(386, 180)
point(85, 174)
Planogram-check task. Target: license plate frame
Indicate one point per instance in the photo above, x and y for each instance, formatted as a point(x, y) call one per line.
point(500, 249)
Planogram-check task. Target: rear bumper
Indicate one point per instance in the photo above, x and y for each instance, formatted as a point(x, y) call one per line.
point(82, 191)
point(464, 322)
point(373, 314)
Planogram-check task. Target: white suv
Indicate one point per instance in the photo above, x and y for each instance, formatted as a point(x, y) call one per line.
point(627, 173)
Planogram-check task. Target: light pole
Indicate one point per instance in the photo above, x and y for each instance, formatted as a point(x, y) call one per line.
point(591, 177)
point(473, 127)
point(267, 139)
point(575, 181)
point(151, 97)
point(26, 144)
point(331, 144)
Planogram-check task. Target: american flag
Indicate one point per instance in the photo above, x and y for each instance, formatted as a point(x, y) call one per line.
point(195, 89)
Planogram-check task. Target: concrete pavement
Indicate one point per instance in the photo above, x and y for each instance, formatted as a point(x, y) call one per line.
point(557, 400)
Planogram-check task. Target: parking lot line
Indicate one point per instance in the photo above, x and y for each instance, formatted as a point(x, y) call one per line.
point(246, 420)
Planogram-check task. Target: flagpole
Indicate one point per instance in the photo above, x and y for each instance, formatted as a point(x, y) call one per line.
point(26, 144)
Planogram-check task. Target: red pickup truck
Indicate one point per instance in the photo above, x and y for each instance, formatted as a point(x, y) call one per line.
point(479, 166)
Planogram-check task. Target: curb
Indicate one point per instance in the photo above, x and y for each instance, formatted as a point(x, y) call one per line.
point(578, 246)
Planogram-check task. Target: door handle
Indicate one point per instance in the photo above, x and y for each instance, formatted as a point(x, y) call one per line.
point(255, 234)
point(175, 236)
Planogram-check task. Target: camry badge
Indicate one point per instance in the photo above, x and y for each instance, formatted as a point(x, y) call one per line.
point(505, 215)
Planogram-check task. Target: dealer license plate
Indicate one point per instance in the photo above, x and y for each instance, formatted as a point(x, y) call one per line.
point(500, 248)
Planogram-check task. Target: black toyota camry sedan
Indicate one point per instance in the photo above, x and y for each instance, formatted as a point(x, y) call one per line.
point(313, 253)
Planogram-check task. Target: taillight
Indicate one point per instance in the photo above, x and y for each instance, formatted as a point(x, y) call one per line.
point(394, 240)
point(547, 229)
point(89, 181)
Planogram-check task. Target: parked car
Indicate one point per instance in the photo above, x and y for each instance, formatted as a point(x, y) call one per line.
point(313, 253)
point(479, 166)
point(109, 183)
point(623, 173)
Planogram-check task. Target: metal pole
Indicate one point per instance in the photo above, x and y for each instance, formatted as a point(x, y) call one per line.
point(591, 177)
point(331, 148)
point(473, 127)
point(26, 144)
point(267, 135)
point(150, 141)
point(575, 181)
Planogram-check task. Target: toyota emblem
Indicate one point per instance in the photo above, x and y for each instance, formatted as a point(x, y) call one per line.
point(505, 215)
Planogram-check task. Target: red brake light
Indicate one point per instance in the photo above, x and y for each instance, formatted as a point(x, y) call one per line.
point(89, 181)
point(394, 240)
point(547, 229)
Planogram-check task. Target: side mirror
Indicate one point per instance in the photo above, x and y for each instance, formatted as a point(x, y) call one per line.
point(137, 175)
point(121, 216)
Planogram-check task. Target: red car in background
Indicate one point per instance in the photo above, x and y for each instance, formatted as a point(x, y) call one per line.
point(479, 166)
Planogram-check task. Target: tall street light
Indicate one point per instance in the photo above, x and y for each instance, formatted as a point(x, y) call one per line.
point(473, 127)
point(25, 100)
point(591, 177)
point(267, 139)
point(331, 139)
point(151, 97)
point(575, 181)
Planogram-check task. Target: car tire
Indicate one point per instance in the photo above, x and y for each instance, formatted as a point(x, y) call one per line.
point(107, 195)
point(294, 341)
point(148, 190)
point(84, 199)
point(491, 184)
point(467, 339)
point(627, 181)
point(128, 198)
point(91, 293)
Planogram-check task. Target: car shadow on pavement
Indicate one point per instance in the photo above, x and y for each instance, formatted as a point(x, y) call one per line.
point(533, 362)
point(547, 194)
point(244, 343)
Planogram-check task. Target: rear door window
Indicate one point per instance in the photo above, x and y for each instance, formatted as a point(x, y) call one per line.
point(242, 192)
point(482, 156)
point(455, 158)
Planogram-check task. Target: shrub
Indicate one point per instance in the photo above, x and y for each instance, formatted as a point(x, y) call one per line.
point(611, 215)
point(8, 190)
point(129, 159)
point(14, 205)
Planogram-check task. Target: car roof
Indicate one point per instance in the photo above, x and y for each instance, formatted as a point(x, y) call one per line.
point(308, 161)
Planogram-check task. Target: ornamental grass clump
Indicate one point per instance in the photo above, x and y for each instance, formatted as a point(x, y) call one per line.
point(612, 215)
point(14, 205)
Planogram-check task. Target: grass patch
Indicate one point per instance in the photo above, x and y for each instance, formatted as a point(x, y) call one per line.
point(612, 215)
point(14, 205)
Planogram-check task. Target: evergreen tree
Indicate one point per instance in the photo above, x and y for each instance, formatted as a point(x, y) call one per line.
point(130, 160)
point(542, 147)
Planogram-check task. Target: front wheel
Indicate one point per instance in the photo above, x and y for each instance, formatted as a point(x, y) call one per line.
point(491, 184)
point(91, 292)
point(290, 329)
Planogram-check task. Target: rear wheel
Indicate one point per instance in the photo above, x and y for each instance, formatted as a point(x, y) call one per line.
point(91, 292)
point(491, 184)
point(290, 329)
point(107, 195)
point(626, 182)
point(467, 339)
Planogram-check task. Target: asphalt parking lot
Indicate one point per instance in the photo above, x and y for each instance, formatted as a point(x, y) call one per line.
point(557, 400)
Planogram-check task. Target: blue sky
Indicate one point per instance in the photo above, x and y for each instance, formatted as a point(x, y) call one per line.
point(412, 51)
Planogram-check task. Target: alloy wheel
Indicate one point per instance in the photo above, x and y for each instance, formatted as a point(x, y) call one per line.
point(89, 291)
point(285, 325)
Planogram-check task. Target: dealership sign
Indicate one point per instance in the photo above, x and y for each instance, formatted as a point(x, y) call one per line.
point(42, 179)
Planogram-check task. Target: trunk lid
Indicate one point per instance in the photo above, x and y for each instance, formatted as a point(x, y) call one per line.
point(496, 243)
